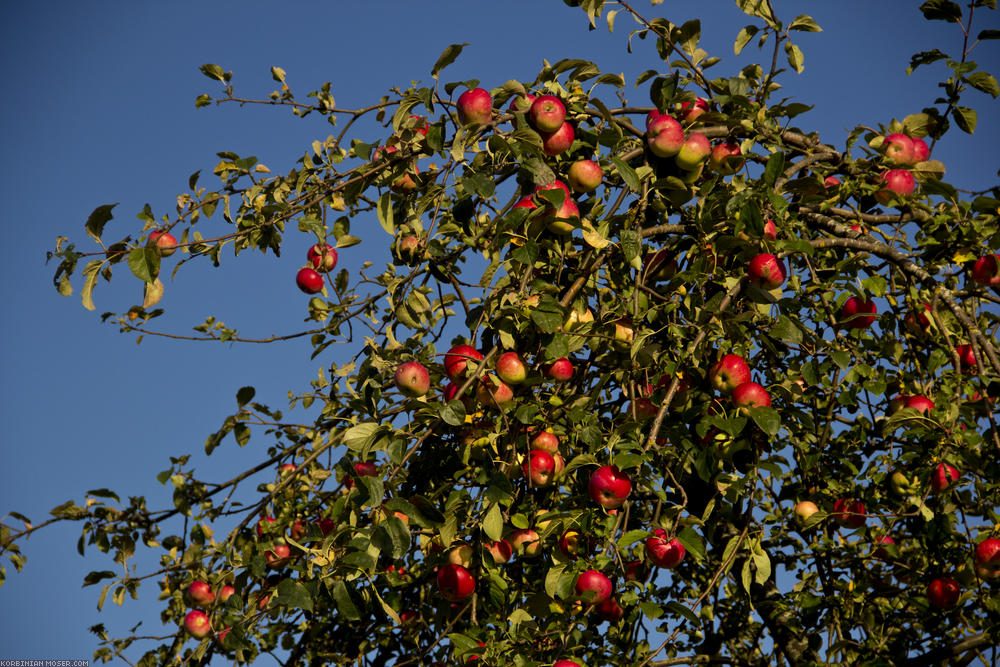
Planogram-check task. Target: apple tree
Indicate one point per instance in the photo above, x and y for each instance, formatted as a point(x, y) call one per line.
point(669, 381)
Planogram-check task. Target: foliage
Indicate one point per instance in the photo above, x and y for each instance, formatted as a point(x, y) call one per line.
point(659, 256)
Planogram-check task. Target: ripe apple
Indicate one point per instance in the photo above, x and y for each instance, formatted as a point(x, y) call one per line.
point(584, 176)
point(895, 182)
point(493, 391)
point(609, 487)
point(197, 624)
point(525, 542)
point(898, 149)
point(880, 551)
point(690, 111)
point(545, 440)
point(918, 321)
point(278, 556)
point(521, 103)
point(565, 663)
point(664, 552)
point(200, 594)
point(501, 550)
point(225, 592)
point(986, 270)
point(560, 221)
point(610, 610)
point(475, 106)
point(455, 582)
point(511, 368)
point(726, 158)
point(766, 271)
point(165, 242)
point(987, 558)
point(858, 313)
point(539, 467)
point(849, 512)
point(920, 403)
point(554, 143)
point(409, 249)
point(326, 526)
point(966, 358)
point(831, 182)
point(943, 477)
point(404, 183)
point(573, 544)
point(770, 230)
point(457, 360)
point(804, 510)
point(451, 392)
point(750, 395)
point(921, 151)
point(943, 592)
point(593, 587)
point(264, 524)
point(728, 373)
point(413, 379)
point(664, 136)
point(309, 281)
point(560, 370)
point(323, 258)
point(694, 151)
point(547, 113)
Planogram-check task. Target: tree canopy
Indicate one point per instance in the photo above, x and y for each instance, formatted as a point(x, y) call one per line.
point(653, 382)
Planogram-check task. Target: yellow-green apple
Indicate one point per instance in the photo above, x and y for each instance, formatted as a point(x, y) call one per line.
point(593, 587)
point(694, 151)
point(986, 270)
point(920, 150)
point(880, 546)
point(554, 143)
point(323, 258)
point(750, 395)
point(511, 368)
point(560, 370)
point(663, 551)
point(475, 106)
point(849, 512)
point(987, 558)
point(458, 359)
point(966, 358)
point(728, 373)
point(539, 467)
point(461, 555)
point(766, 271)
point(624, 333)
point(664, 136)
point(165, 242)
point(547, 113)
point(200, 594)
point(609, 610)
point(858, 313)
point(501, 550)
point(898, 149)
point(609, 487)
point(902, 485)
point(309, 281)
point(895, 182)
point(493, 391)
point(197, 624)
point(943, 593)
point(804, 510)
point(943, 477)
point(578, 317)
point(545, 440)
point(413, 379)
point(584, 176)
point(455, 583)
point(525, 542)
point(726, 158)
point(278, 556)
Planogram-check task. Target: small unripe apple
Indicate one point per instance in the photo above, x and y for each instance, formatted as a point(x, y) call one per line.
point(197, 624)
point(309, 281)
point(475, 106)
point(943, 592)
point(804, 510)
point(547, 113)
point(578, 317)
point(323, 258)
point(412, 379)
point(461, 555)
point(766, 271)
point(165, 242)
point(902, 485)
point(511, 368)
point(584, 176)
point(554, 143)
point(858, 313)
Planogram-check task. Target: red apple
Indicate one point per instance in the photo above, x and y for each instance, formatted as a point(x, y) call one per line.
point(987, 558)
point(849, 512)
point(664, 136)
point(986, 270)
point(525, 542)
point(413, 379)
point(309, 281)
point(561, 221)
point(726, 158)
point(898, 149)
point(418, 124)
point(457, 360)
point(728, 373)
point(501, 550)
point(547, 113)
point(770, 230)
point(278, 556)
point(593, 587)
point(451, 392)
point(539, 467)
point(326, 526)
point(197, 624)
point(323, 258)
point(918, 321)
point(165, 242)
point(943, 592)
point(694, 151)
point(690, 111)
point(493, 391)
point(565, 663)
point(573, 544)
point(943, 477)
point(920, 150)
point(560, 370)
point(521, 103)
point(920, 403)
point(455, 582)
point(584, 176)
point(554, 143)
point(475, 106)
point(545, 440)
point(766, 271)
point(264, 524)
point(831, 182)
point(750, 395)
point(200, 594)
point(663, 552)
point(225, 592)
point(511, 368)
point(610, 610)
point(609, 487)
point(858, 313)
point(966, 358)
point(880, 551)
point(895, 182)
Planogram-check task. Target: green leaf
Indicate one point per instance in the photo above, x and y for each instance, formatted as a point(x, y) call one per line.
point(94, 577)
point(925, 58)
point(385, 214)
point(97, 219)
point(775, 165)
point(744, 37)
point(292, 593)
point(631, 537)
point(453, 412)
point(144, 263)
point(795, 57)
point(361, 436)
point(627, 173)
point(493, 523)
point(758, 8)
point(345, 605)
point(245, 395)
point(213, 72)
point(989, 34)
point(767, 419)
point(447, 57)
point(965, 118)
point(786, 331)
point(692, 542)
point(631, 247)
point(688, 36)
point(90, 273)
point(548, 316)
point(941, 10)
point(984, 82)
point(804, 23)
point(917, 124)
point(680, 610)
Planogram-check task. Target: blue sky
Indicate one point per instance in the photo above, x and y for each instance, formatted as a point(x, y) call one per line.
point(99, 108)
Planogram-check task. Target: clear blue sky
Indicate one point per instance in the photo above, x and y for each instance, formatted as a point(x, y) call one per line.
point(98, 107)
